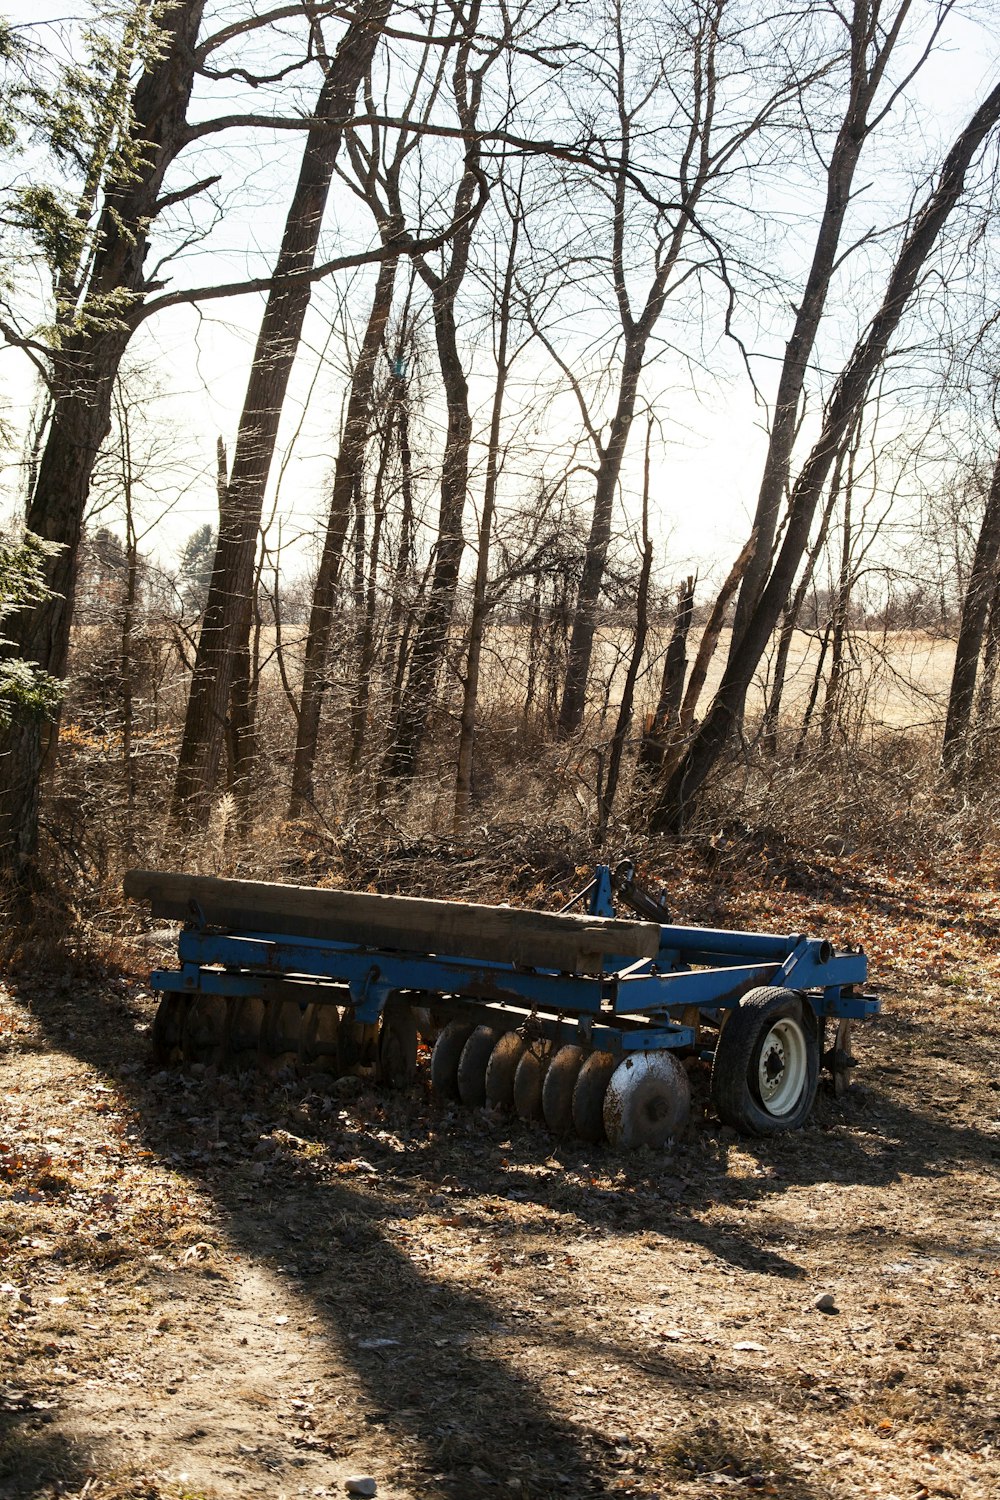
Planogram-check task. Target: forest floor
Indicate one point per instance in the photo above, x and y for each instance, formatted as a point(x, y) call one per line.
point(227, 1287)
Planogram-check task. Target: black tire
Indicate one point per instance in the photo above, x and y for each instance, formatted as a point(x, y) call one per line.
point(472, 1065)
point(446, 1057)
point(766, 1066)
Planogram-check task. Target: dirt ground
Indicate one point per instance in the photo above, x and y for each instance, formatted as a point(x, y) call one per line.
point(222, 1287)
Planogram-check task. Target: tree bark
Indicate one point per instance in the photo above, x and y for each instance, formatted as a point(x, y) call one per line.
point(432, 635)
point(365, 634)
point(664, 725)
point(789, 623)
point(430, 643)
point(350, 460)
point(975, 606)
point(606, 795)
point(872, 44)
point(82, 376)
point(674, 801)
point(477, 624)
point(581, 645)
point(226, 623)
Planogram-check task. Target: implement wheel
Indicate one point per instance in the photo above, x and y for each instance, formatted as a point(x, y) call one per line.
point(766, 1064)
point(472, 1065)
point(529, 1080)
point(557, 1090)
point(502, 1068)
point(321, 1038)
point(397, 1046)
point(168, 1027)
point(246, 1017)
point(588, 1096)
point(446, 1057)
point(206, 1024)
point(648, 1100)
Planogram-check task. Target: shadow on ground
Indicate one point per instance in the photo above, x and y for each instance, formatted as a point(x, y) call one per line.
point(450, 1386)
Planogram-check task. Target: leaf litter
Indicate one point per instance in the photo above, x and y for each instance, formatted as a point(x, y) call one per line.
point(227, 1287)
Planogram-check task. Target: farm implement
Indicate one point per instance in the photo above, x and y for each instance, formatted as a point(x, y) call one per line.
point(581, 1018)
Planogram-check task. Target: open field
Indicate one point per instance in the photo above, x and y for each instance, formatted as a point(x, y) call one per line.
point(219, 1287)
point(897, 678)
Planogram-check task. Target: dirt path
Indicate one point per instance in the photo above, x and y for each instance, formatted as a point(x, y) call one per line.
point(230, 1288)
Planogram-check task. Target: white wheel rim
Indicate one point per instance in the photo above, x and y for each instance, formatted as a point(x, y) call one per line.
point(782, 1067)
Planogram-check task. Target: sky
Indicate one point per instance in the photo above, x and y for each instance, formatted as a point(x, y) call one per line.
point(705, 469)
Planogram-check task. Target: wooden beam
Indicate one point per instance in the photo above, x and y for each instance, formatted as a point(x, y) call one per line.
point(407, 924)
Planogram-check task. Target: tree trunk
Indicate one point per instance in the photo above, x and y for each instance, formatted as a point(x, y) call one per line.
point(975, 605)
point(83, 373)
point(606, 796)
point(396, 653)
point(226, 624)
point(772, 711)
point(432, 635)
point(689, 776)
point(365, 634)
point(127, 668)
point(991, 659)
point(824, 646)
point(477, 624)
point(581, 645)
point(842, 603)
point(872, 43)
point(665, 721)
point(350, 460)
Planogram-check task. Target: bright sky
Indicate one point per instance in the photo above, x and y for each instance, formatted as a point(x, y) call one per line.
point(705, 471)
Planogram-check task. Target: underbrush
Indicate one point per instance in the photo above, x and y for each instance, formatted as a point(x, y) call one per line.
point(766, 821)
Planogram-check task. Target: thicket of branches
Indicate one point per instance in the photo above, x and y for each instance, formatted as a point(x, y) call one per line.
point(490, 253)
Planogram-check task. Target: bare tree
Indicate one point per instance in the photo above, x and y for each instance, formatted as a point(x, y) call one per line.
point(473, 59)
point(687, 778)
point(347, 474)
point(226, 624)
point(99, 304)
point(480, 604)
point(875, 30)
point(672, 119)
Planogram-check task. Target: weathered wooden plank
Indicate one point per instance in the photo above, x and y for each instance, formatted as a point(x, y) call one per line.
point(408, 924)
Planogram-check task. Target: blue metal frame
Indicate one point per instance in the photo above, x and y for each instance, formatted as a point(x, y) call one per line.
point(629, 1007)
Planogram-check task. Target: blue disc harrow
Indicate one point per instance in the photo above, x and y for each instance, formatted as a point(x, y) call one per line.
point(584, 1018)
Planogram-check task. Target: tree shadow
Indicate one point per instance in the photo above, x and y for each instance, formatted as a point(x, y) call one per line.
point(35, 1455)
point(430, 1353)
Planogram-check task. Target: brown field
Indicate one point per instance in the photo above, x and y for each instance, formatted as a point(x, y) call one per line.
point(899, 679)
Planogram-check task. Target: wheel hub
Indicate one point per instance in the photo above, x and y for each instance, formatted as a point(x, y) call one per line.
point(782, 1068)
